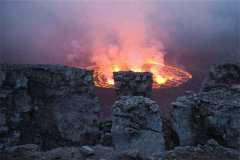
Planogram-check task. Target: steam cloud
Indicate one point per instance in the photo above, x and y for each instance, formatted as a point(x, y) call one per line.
point(76, 31)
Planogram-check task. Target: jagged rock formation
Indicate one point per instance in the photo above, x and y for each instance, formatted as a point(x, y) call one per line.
point(47, 105)
point(212, 113)
point(51, 112)
point(137, 124)
point(128, 83)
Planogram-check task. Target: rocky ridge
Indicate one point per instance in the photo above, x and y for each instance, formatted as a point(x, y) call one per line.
point(47, 105)
point(50, 112)
point(214, 113)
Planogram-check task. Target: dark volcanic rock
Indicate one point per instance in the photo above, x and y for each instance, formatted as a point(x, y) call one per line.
point(105, 130)
point(209, 151)
point(212, 113)
point(48, 105)
point(226, 75)
point(21, 152)
point(44, 107)
point(32, 152)
point(2, 78)
point(82, 119)
point(128, 83)
point(182, 120)
point(133, 155)
point(170, 136)
point(137, 124)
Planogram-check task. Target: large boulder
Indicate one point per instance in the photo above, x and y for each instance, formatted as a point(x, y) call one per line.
point(182, 120)
point(49, 105)
point(212, 113)
point(137, 124)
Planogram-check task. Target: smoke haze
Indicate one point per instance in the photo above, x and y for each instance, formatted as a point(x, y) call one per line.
point(61, 31)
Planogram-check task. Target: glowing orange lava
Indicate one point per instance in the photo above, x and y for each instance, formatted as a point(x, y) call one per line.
point(164, 76)
point(125, 40)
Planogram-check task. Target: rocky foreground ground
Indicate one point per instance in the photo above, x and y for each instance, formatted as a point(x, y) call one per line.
point(50, 112)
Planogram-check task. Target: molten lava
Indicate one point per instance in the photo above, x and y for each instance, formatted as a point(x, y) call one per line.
point(125, 40)
point(164, 76)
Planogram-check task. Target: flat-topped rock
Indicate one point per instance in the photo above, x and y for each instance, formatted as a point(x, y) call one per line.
point(128, 83)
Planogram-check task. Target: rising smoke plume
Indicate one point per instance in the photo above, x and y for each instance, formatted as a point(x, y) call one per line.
point(60, 31)
point(120, 37)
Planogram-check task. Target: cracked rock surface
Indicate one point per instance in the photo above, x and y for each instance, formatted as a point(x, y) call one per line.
point(212, 113)
point(48, 105)
point(136, 121)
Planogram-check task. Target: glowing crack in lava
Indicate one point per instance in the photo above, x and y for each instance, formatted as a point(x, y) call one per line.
point(131, 56)
point(132, 50)
point(164, 76)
